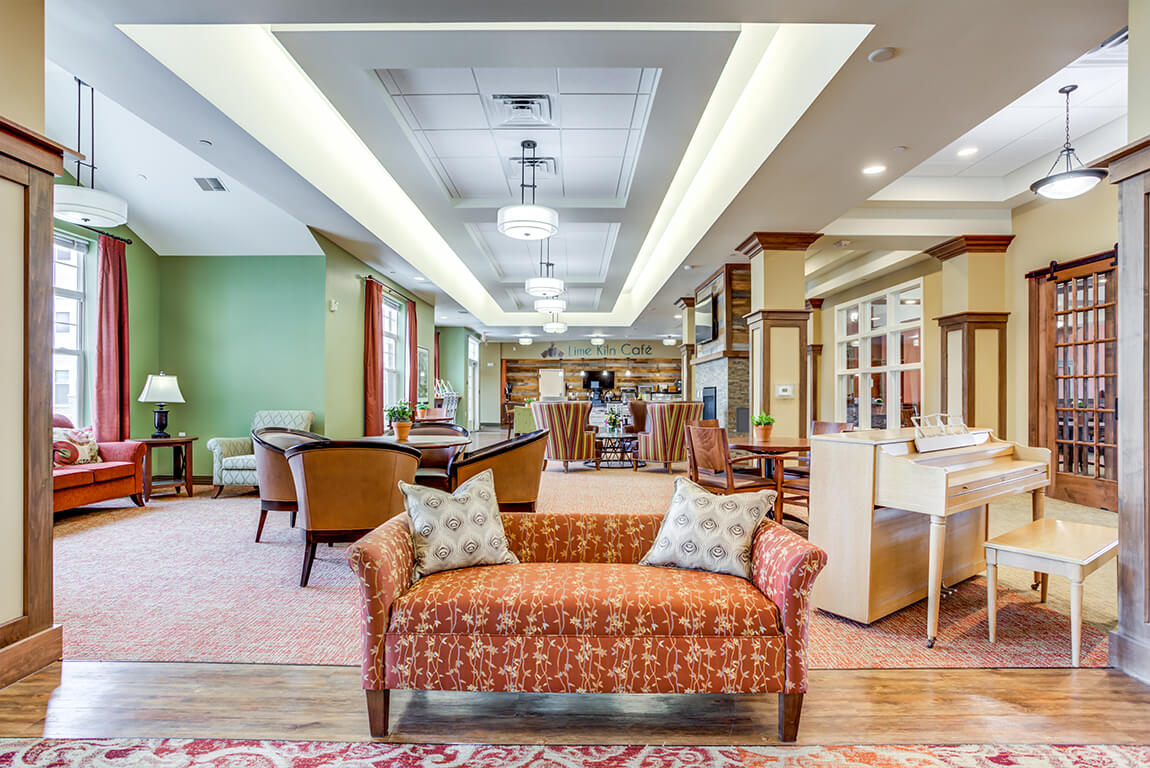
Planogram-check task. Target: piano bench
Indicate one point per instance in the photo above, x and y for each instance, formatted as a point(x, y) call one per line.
point(1057, 547)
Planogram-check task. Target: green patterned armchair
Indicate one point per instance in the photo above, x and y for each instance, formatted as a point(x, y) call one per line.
point(234, 459)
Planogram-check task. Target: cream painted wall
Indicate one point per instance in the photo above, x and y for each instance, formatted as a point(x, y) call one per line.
point(12, 402)
point(22, 63)
point(1045, 231)
point(1138, 69)
point(490, 374)
point(931, 273)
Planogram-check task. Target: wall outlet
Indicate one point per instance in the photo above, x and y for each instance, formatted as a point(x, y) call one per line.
point(784, 390)
point(182, 434)
point(333, 305)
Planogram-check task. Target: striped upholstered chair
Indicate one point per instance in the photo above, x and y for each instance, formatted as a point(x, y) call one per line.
point(665, 439)
point(571, 438)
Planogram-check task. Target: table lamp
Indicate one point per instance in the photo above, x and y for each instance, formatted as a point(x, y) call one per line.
point(161, 389)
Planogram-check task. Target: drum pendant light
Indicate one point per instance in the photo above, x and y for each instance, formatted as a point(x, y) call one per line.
point(546, 286)
point(88, 206)
point(1074, 178)
point(527, 221)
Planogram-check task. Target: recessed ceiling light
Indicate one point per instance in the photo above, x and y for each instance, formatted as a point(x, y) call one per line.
point(899, 148)
point(420, 278)
point(967, 151)
point(879, 55)
point(678, 317)
point(206, 142)
point(874, 170)
point(841, 243)
point(688, 267)
point(141, 177)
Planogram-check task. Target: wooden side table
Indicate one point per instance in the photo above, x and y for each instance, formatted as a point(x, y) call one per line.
point(181, 464)
point(1059, 547)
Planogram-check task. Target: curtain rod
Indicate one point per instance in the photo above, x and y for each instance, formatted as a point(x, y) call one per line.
point(105, 234)
point(386, 287)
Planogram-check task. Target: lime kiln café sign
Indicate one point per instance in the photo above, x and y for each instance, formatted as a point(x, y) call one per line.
point(634, 349)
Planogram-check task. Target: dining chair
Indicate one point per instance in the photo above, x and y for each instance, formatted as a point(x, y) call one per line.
point(433, 463)
point(710, 464)
point(277, 489)
point(795, 481)
point(347, 488)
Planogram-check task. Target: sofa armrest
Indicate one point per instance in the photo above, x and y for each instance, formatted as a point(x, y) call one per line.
point(223, 447)
point(384, 561)
point(784, 566)
point(126, 450)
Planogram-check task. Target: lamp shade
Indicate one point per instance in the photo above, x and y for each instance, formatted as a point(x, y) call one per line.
point(527, 221)
point(1068, 184)
point(551, 306)
point(555, 326)
point(543, 287)
point(525, 341)
point(161, 388)
point(670, 341)
point(91, 207)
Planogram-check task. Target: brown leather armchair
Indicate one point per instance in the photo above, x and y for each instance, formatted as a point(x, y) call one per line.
point(638, 410)
point(517, 465)
point(347, 488)
point(433, 465)
point(277, 489)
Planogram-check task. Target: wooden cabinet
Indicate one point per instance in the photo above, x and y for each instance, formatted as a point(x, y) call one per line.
point(28, 638)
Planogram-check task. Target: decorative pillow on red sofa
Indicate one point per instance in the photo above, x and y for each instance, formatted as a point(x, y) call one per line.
point(74, 446)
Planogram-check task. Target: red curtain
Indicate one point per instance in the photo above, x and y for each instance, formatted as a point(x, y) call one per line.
point(412, 357)
point(113, 400)
point(373, 359)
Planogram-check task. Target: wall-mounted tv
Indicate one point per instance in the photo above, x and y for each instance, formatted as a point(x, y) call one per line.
point(705, 326)
point(598, 379)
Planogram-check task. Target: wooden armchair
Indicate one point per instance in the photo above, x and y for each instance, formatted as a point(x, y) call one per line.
point(794, 485)
point(709, 463)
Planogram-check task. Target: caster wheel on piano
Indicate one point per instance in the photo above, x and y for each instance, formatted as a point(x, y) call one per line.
point(930, 643)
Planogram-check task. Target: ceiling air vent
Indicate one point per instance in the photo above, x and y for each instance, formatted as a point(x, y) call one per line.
point(210, 184)
point(545, 167)
point(518, 110)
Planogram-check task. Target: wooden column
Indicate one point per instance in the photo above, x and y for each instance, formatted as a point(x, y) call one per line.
point(1130, 642)
point(973, 329)
point(815, 354)
point(686, 307)
point(28, 639)
point(778, 327)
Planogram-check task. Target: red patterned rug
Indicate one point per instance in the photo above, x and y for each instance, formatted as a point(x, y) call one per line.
point(215, 753)
point(184, 580)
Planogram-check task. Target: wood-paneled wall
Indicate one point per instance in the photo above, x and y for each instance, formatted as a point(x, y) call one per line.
point(731, 287)
point(523, 375)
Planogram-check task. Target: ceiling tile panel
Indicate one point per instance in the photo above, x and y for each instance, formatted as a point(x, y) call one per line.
point(454, 112)
point(581, 143)
point(433, 80)
point(593, 176)
point(599, 79)
point(518, 80)
point(597, 111)
point(477, 177)
point(448, 144)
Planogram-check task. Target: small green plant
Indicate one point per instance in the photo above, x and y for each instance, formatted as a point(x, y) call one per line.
point(401, 411)
point(763, 420)
point(421, 406)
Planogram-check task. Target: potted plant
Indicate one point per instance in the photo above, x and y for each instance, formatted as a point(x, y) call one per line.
point(762, 427)
point(400, 417)
point(420, 410)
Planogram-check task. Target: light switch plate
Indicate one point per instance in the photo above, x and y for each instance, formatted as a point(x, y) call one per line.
point(784, 390)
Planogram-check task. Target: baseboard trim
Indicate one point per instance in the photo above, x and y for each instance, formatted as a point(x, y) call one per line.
point(1130, 655)
point(31, 654)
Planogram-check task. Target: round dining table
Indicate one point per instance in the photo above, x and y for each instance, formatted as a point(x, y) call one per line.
point(771, 445)
point(420, 440)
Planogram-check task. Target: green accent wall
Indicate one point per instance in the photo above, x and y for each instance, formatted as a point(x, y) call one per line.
point(243, 333)
point(343, 337)
point(453, 364)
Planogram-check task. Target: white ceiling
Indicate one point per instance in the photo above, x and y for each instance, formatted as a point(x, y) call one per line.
point(1034, 125)
point(156, 175)
point(590, 123)
point(958, 64)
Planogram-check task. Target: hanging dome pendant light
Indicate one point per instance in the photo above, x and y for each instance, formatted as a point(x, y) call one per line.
point(555, 325)
point(546, 286)
point(1075, 179)
point(527, 221)
point(87, 206)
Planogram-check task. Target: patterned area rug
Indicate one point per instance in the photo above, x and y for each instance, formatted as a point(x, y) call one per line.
point(184, 580)
point(183, 753)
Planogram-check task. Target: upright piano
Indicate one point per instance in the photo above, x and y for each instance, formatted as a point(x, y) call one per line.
point(897, 523)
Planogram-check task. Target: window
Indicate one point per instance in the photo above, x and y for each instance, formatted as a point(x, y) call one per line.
point(68, 255)
point(878, 358)
point(393, 353)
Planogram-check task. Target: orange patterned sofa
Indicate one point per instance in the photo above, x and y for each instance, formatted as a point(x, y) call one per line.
point(119, 473)
point(579, 615)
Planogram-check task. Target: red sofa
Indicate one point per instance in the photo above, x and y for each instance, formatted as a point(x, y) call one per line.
point(579, 615)
point(119, 473)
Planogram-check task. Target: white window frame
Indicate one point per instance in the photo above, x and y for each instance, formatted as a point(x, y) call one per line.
point(80, 414)
point(891, 370)
point(394, 333)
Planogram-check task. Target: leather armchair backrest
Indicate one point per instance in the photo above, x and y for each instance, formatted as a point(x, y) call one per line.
point(438, 458)
point(516, 463)
point(272, 470)
point(638, 415)
point(350, 485)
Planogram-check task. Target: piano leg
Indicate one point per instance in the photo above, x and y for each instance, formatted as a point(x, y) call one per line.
point(1037, 512)
point(934, 583)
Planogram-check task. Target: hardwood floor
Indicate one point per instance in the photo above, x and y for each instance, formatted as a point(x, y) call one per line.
point(251, 701)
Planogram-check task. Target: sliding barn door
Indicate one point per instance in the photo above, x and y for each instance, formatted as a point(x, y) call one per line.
point(1074, 376)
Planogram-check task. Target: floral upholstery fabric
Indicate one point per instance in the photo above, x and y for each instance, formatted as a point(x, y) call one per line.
point(74, 446)
point(570, 438)
point(567, 619)
point(665, 439)
point(233, 458)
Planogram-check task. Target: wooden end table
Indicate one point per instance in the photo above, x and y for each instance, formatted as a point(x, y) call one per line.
point(181, 464)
